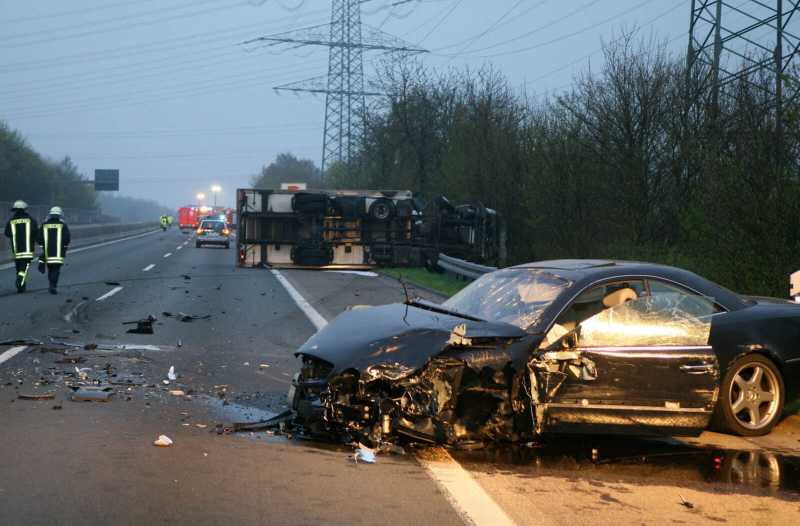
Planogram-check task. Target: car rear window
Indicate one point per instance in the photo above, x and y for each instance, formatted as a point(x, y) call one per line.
point(217, 226)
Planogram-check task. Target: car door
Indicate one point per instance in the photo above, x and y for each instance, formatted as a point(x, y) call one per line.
point(641, 367)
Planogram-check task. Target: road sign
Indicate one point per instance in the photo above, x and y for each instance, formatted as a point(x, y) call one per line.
point(106, 180)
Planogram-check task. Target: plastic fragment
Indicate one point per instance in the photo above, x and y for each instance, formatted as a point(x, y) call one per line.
point(163, 441)
point(364, 454)
point(171, 373)
point(685, 503)
point(177, 392)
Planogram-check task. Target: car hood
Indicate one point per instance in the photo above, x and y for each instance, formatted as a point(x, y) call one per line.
point(394, 334)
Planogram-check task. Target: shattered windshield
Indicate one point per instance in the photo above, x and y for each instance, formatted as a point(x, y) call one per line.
point(515, 296)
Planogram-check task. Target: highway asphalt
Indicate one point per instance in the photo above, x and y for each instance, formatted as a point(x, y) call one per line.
point(66, 462)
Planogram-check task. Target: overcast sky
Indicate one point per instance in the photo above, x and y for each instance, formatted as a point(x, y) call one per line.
point(161, 89)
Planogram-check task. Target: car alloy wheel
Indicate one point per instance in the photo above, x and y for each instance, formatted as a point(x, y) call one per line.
point(754, 395)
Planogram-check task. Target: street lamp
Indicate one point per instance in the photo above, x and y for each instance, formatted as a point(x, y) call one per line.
point(216, 189)
point(201, 196)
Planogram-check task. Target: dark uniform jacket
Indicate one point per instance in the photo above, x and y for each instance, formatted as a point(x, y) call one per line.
point(21, 230)
point(54, 238)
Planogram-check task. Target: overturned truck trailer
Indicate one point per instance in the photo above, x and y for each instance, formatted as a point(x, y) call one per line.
point(356, 229)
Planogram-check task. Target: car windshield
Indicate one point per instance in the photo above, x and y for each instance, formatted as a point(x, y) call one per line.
point(515, 296)
point(216, 226)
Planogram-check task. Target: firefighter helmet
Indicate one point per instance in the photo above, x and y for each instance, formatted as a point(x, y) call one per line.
point(56, 211)
point(19, 205)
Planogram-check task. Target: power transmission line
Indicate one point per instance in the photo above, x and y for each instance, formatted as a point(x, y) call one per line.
point(344, 90)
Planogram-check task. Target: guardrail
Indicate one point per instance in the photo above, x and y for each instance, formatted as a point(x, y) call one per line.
point(463, 269)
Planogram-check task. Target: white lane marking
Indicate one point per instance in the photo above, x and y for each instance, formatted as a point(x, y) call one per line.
point(168, 254)
point(109, 294)
point(179, 247)
point(12, 352)
point(311, 313)
point(363, 273)
point(73, 312)
point(467, 497)
point(89, 247)
point(149, 267)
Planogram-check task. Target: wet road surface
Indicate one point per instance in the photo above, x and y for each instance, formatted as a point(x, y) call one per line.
point(65, 462)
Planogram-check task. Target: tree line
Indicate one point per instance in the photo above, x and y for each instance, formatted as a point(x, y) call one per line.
point(632, 162)
point(26, 175)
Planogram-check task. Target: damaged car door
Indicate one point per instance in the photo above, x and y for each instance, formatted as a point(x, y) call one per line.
point(641, 367)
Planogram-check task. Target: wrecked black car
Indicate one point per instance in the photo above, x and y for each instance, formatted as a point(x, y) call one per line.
point(575, 346)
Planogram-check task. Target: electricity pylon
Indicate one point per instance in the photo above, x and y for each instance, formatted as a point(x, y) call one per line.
point(725, 45)
point(344, 89)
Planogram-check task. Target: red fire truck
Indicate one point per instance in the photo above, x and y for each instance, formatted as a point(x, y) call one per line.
point(188, 217)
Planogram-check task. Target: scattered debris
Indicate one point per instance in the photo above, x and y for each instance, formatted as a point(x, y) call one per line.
point(187, 318)
point(112, 283)
point(246, 364)
point(187, 277)
point(82, 373)
point(57, 407)
point(163, 441)
point(36, 396)
point(263, 365)
point(92, 394)
point(90, 346)
point(71, 360)
point(262, 425)
point(22, 341)
point(171, 373)
point(685, 503)
point(200, 426)
point(177, 392)
point(364, 454)
point(126, 380)
point(180, 343)
point(143, 326)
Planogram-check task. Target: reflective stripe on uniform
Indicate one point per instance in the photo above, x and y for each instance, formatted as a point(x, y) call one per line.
point(28, 253)
point(59, 256)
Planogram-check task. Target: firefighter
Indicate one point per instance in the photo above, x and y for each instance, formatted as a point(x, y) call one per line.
point(163, 221)
point(170, 220)
point(54, 238)
point(21, 230)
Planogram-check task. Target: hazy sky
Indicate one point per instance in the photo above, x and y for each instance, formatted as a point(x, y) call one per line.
point(161, 89)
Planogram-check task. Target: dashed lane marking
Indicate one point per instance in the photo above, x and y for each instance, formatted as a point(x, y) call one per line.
point(109, 294)
point(463, 492)
point(90, 247)
point(149, 267)
point(68, 317)
point(168, 254)
point(179, 247)
point(10, 353)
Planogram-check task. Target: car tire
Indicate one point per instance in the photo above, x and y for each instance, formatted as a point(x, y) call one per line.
point(227, 245)
point(197, 244)
point(759, 400)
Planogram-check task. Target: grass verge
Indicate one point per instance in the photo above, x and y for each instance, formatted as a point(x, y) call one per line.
point(443, 283)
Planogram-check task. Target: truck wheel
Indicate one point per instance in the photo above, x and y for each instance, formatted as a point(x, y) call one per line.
point(382, 209)
point(196, 244)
